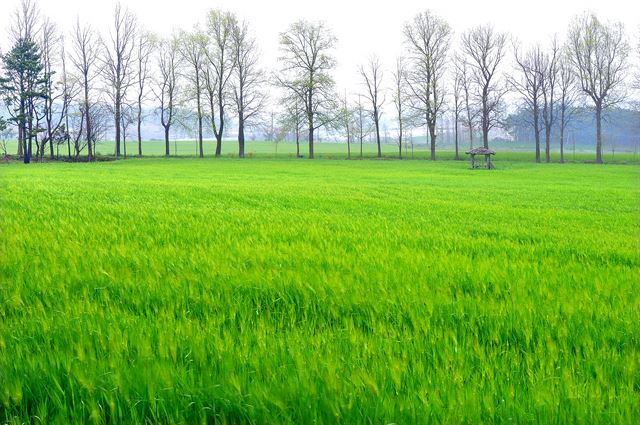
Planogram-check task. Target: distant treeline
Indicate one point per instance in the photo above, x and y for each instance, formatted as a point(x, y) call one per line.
point(620, 129)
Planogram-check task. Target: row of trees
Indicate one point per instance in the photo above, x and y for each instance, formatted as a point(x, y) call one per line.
point(106, 83)
point(72, 89)
point(551, 81)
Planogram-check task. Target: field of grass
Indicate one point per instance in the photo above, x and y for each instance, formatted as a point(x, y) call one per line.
point(292, 291)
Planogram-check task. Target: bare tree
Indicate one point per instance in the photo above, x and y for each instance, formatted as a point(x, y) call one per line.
point(429, 38)
point(485, 49)
point(84, 57)
point(363, 127)
point(372, 78)
point(248, 81)
point(128, 118)
point(458, 105)
point(470, 108)
point(549, 88)
point(118, 64)
point(167, 83)
point(56, 102)
point(344, 124)
point(145, 47)
point(72, 88)
point(219, 70)
point(99, 117)
point(102, 121)
point(599, 55)
point(400, 98)
point(567, 96)
point(528, 83)
point(26, 21)
point(307, 63)
point(75, 125)
point(193, 51)
point(25, 26)
point(293, 118)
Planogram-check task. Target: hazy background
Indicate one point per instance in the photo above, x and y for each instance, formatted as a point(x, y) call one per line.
point(362, 27)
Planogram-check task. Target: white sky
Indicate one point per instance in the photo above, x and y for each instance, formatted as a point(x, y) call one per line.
point(362, 27)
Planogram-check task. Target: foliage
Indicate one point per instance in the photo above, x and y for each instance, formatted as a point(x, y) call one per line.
point(306, 72)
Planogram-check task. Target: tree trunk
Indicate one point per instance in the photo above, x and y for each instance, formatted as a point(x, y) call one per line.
point(29, 147)
point(456, 138)
point(42, 147)
point(297, 142)
point(139, 128)
point(240, 137)
point(547, 143)
point(20, 142)
point(87, 116)
point(378, 137)
point(536, 129)
point(311, 142)
point(485, 136)
point(485, 117)
point(348, 147)
point(400, 136)
point(25, 150)
point(117, 125)
point(66, 132)
point(199, 107)
point(49, 119)
point(51, 153)
point(562, 144)
point(432, 142)
point(598, 133)
point(221, 118)
point(218, 145)
point(166, 141)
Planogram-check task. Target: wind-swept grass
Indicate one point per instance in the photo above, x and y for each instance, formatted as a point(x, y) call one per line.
point(275, 291)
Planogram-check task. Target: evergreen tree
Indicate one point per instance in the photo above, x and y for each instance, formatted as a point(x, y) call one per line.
point(23, 87)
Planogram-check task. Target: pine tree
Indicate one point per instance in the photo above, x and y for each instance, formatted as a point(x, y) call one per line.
point(23, 87)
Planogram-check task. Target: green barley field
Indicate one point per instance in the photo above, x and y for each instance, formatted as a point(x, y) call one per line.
point(276, 291)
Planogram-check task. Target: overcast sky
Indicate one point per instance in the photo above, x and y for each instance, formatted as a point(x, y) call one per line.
point(362, 27)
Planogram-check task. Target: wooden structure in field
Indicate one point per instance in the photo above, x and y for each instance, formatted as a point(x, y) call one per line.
point(487, 158)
